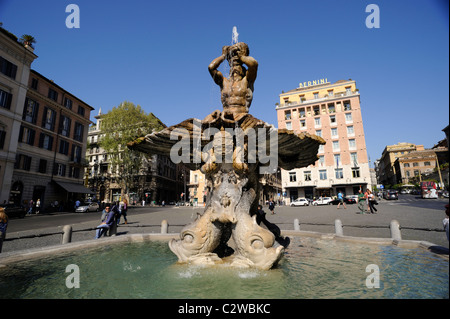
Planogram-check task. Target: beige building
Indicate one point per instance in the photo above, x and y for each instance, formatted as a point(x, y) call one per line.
point(332, 111)
point(15, 64)
point(388, 173)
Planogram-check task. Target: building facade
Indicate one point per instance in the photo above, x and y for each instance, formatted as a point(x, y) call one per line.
point(15, 64)
point(387, 171)
point(332, 111)
point(158, 180)
point(51, 145)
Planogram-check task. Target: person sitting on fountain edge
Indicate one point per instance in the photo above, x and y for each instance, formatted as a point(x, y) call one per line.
point(109, 221)
point(261, 217)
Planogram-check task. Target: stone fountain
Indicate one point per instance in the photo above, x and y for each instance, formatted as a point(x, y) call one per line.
point(232, 148)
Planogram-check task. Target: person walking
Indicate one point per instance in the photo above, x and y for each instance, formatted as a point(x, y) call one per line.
point(38, 206)
point(361, 203)
point(272, 206)
point(341, 200)
point(371, 201)
point(30, 207)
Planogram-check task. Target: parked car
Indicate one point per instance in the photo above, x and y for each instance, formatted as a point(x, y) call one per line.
point(88, 207)
point(322, 201)
point(352, 199)
point(445, 194)
point(390, 195)
point(347, 200)
point(14, 210)
point(300, 202)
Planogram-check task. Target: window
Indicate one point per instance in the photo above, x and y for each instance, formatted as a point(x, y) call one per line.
point(331, 108)
point(42, 166)
point(339, 173)
point(34, 83)
point(321, 148)
point(23, 162)
point(333, 119)
point(337, 159)
point(2, 138)
point(287, 115)
point(7, 68)
point(415, 164)
point(406, 165)
point(302, 123)
point(80, 110)
point(64, 147)
point(301, 113)
point(352, 144)
point(316, 110)
point(321, 160)
point(355, 172)
point(350, 130)
point(307, 175)
point(74, 172)
point(64, 125)
point(316, 95)
point(26, 135)
point(76, 153)
point(78, 132)
point(46, 141)
point(317, 121)
point(292, 176)
point(59, 169)
point(348, 117)
point(416, 173)
point(347, 106)
point(288, 125)
point(323, 174)
point(427, 164)
point(336, 146)
point(334, 132)
point(348, 90)
point(5, 99)
point(49, 119)
point(319, 133)
point(30, 111)
point(354, 159)
point(52, 94)
point(330, 93)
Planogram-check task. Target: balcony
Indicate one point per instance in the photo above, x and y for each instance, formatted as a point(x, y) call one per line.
point(325, 97)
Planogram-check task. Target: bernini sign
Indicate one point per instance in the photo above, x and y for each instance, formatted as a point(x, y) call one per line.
point(311, 83)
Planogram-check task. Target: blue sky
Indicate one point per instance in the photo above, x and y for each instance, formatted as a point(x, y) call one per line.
point(156, 53)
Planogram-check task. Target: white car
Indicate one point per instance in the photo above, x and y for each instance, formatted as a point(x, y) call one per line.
point(322, 201)
point(300, 202)
point(88, 207)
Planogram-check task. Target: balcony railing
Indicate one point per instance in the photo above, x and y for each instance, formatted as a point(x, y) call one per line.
point(320, 99)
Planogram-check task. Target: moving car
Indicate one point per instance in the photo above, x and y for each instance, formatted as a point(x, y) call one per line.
point(300, 202)
point(322, 201)
point(14, 210)
point(88, 207)
point(390, 195)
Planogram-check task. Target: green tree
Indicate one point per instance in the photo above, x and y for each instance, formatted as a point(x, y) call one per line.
point(119, 126)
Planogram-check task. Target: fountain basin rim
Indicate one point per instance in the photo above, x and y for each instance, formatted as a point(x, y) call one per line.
point(36, 253)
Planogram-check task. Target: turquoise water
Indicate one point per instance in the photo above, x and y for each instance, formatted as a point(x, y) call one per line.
point(311, 268)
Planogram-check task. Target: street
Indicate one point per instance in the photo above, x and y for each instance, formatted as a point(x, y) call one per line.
point(420, 219)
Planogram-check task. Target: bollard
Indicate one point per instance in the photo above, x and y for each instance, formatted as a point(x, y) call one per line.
point(395, 230)
point(338, 227)
point(67, 234)
point(296, 225)
point(164, 227)
point(112, 231)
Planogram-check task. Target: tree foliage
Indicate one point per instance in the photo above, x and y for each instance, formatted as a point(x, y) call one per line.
point(120, 126)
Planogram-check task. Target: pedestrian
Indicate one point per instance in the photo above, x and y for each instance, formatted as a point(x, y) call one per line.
point(104, 226)
point(124, 210)
point(361, 203)
point(341, 200)
point(371, 200)
point(3, 226)
point(444, 222)
point(38, 206)
point(30, 207)
point(272, 206)
point(77, 204)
